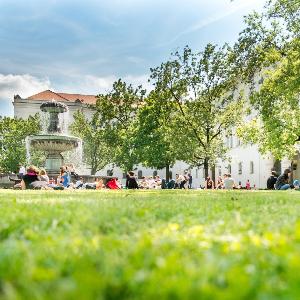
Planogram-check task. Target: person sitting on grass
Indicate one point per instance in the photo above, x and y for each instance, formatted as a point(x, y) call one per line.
point(30, 177)
point(131, 182)
point(79, 183)
point(43, 181)
point(272, 181)
point(43, 175)
point(144, 184)
point(99, 184)
point(209, 184)
point(248, 185)
point(282, 182)
point(157, 182)
point(113, 184)
point(219, 183)
point(228, 182)
point(65, 178)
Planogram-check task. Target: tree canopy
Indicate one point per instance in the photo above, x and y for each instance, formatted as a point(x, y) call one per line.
point(117, 112)
point(13, 132)
point(92, 132)
point(269, 52)
point(203, 90)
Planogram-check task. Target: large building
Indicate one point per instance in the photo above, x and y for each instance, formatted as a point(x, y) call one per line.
point(245, 160)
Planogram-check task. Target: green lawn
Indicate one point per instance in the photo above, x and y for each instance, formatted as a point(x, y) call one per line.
point(149, 245)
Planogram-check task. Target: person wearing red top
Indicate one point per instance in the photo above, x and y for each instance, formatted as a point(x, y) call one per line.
point(248, 186)
point(113, 184)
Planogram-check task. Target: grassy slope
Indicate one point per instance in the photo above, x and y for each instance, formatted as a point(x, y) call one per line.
point(146, 245)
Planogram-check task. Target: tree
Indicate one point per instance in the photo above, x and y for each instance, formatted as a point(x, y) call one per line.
point(156, 135)
point(117, 111)
point(96, 152)
point(13, 132)
point(275, 60)
point(203, 89)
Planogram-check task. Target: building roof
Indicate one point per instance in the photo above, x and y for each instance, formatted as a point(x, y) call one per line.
point(50, 95)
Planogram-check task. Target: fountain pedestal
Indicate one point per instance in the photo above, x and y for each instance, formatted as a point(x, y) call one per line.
point(53, 162)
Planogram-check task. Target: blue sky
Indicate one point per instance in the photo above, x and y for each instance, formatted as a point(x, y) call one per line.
point(83, 46)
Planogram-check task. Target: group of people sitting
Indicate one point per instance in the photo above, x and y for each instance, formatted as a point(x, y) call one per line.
point(35, 178)
point(282, 182)
point(226, 182)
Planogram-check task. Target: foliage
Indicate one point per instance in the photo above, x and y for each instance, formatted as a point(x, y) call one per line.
point(203, 88)
point(149, 245)
point(274, 59)
point(117, 111)
point(92, 132)
point(13, 132)
point(156, 136)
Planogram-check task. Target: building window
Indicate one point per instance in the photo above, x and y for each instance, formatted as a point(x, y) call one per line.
point(251, 167)
point(140, 174)
point(240, 171)
point(110, 172)
point(203, 173)
point(238, 142)
point(229, 169)
point(154, 173)
point(124, 175)
point(220, 171)
point(197, 172)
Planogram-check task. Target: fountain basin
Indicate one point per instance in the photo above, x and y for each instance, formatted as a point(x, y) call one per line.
point(54, 143)
point(53, 107)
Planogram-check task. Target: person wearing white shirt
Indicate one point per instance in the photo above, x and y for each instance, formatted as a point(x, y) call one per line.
point(228, 182)
point(22, 172)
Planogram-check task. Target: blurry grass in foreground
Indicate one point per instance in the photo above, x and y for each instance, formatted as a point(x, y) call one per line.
point(149, 244)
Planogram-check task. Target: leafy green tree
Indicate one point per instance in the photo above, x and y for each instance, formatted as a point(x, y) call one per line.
point(158, 144)
point(272, 63)
point(117, 112)
point(203, 89)
point(13, 132)
point(92, 132)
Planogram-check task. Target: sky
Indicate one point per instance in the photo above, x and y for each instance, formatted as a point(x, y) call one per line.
point(83, 46)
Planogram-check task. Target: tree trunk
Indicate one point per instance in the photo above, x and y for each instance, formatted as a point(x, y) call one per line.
point(93, 171)
point(167, 173)
point(213, 175)
point(206, 167)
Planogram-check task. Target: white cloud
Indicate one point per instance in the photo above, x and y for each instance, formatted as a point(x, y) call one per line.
point(27, 85)
point(23, 85)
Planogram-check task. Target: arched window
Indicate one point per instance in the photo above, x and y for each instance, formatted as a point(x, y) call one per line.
point(154, 173)
point(140, 174)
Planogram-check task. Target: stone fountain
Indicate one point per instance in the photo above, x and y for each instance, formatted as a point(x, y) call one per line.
point(54, 142)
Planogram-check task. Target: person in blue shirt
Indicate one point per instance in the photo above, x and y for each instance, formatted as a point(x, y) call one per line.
point(65, 178)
